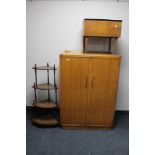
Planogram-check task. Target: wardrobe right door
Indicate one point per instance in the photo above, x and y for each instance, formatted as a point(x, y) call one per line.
point(104, 76)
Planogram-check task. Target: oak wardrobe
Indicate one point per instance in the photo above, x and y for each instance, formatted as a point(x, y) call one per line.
point(88, 89)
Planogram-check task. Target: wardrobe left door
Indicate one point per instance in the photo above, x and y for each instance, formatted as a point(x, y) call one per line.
point(74, 85)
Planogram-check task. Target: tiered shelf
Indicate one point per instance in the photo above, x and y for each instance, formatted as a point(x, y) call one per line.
point(47, 103)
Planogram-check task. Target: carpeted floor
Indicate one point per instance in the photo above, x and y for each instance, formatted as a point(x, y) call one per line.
point(57, 141)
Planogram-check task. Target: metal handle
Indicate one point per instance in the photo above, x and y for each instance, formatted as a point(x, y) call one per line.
point(92, 81)
point(86, 82)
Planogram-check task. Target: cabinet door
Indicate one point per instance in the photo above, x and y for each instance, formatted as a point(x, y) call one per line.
point(102, 28)
point(74, 74)
point(103, 89)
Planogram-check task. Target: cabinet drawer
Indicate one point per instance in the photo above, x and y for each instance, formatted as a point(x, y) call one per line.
point(103, 28)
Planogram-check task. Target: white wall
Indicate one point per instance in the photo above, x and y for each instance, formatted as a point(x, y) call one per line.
point(54, 26)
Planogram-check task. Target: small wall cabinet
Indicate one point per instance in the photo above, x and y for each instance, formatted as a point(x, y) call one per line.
point(101, 29)
point(88, 89)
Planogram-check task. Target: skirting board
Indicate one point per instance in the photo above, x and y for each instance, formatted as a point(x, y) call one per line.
point(117, 111)
point(33, 111)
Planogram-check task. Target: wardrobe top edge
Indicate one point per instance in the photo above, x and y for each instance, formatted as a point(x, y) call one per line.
point(104, 20)
point(69, 53)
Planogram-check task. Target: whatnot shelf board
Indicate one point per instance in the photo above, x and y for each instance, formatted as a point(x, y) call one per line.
point(44, 68)
point(44, 86)
point(45, 104)
point(49, 121)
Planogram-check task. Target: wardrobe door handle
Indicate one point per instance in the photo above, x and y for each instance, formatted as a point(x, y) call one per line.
point(86, 82)
point(92, 81)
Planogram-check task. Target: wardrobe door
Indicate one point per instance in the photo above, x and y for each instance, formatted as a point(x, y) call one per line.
point(74, 78)
point(103, 89)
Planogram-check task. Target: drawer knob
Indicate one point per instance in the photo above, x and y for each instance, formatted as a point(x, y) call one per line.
point(116, 26)
point(67, 59)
